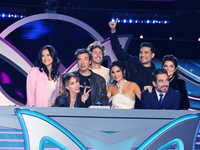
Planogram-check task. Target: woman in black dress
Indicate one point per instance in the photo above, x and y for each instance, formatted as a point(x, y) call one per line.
point(170, 63)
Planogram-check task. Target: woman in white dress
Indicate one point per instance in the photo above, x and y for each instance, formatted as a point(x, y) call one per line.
point(122, 92)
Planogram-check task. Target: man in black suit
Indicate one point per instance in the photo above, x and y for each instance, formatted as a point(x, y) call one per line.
point(162, 96)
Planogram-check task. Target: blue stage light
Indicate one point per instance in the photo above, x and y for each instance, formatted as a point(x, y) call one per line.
point(154, 21)
point(130, 21)
point(124, 20)
point(113, 20)
point(141, 21)
point(136, 21)
point(148, 21)
point(119, 21)
point(159, 22)
point(3, 15)
point(15, 16)
point(165, 22)
point(9, 15)
point(34, 30)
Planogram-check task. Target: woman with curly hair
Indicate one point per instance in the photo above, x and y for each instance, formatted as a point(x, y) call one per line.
point(43, 79)
point(122, 93)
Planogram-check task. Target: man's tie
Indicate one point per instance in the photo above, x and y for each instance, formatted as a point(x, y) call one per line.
point(161, 98)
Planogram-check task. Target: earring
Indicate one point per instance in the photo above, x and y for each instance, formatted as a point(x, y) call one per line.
point(124, 75)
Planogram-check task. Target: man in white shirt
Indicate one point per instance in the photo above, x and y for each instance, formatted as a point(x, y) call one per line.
point(97, 50)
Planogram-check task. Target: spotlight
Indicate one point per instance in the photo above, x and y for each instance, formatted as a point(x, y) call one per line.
point(12, 12)
point(141, 37)
point(113, 20)
point(130, 21)
point(199, 39)
point(51, 5)
point(137, 18)
point(124, 20)
point(170, 38)
point(3, 15)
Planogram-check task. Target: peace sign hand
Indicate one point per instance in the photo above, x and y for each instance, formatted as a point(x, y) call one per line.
point(113, 25)
point(85, 95)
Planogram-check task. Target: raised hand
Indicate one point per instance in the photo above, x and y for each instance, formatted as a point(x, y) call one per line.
point(85, 95)
point(113, 25)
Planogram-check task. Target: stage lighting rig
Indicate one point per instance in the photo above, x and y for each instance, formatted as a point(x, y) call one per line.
point(141, 18)
point(12, 12)
point(51, 6)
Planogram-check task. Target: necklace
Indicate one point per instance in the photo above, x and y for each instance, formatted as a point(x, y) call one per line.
point(171, 79)
point(120, 87)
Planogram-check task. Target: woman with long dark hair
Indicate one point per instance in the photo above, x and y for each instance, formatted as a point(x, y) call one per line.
point(170, 63)
point(70, 95)
point(122, 92)
point(43, 79)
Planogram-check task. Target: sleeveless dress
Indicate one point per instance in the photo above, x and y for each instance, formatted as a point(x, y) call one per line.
point(121, 101)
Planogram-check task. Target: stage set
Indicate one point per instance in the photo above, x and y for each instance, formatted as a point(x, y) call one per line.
point(97, 128)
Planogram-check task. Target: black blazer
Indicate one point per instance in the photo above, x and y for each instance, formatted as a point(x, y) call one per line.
point(170, 101)
point(180, 85)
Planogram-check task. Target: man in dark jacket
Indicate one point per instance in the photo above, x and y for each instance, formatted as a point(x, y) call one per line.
point(90, 80)
point(161, 97)
point(140, 69)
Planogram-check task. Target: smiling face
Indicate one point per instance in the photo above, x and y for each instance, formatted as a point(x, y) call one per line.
point(117, 73)
point(170, 67)
point(162, 83)
point(97, 56)
point(73, 85)
point(83, 62)
point(47, 60)
point(146, 56)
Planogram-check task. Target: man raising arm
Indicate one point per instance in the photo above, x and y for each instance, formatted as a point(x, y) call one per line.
point(140, 69)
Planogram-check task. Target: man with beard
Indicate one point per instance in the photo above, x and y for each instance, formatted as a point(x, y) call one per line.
point(140, 69)
point(162, 96)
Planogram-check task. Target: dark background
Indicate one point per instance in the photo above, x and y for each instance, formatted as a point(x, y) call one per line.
point(184, 17)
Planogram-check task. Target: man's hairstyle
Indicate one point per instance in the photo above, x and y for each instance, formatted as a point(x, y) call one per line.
point(156, 72)
point(96, 44)
point(146, 44)
point(82, 51)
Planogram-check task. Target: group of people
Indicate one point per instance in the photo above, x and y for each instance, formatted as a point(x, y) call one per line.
point(118, 86)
